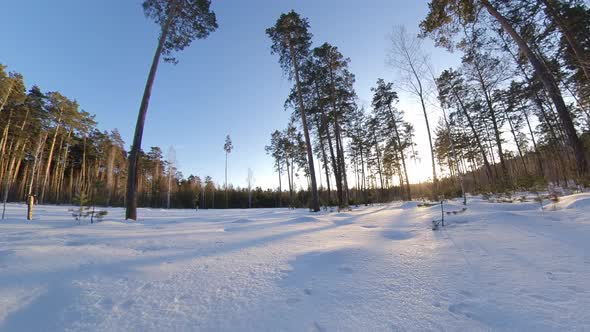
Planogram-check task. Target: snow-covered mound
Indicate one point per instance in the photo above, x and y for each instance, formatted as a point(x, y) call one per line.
point(303, 219)
point(409, 205)
point(242, 221)
point(576, 201)
point(495, 267)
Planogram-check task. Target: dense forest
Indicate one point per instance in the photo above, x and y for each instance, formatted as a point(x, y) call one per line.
point(50, 147)
point(515, 115)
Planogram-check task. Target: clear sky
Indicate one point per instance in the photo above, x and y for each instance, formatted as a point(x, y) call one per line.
point(99, 53)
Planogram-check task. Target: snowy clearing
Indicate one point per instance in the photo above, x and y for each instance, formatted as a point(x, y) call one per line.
point(498, 266)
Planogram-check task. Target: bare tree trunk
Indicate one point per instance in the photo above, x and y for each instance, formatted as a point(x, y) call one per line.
point(131, 200)
point(315, 202)
point(434, 178)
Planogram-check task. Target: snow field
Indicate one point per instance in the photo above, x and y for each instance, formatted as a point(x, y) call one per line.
point(498, 266)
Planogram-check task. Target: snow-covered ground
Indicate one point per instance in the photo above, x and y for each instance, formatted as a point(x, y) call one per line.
point(498, 266)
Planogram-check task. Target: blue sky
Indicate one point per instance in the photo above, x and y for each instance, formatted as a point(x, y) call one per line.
point(99, 53)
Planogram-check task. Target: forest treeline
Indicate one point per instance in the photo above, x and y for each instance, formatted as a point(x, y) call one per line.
point(53, 149)
point(515, 115)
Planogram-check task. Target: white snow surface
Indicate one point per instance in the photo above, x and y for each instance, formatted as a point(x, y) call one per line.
point(497, 266)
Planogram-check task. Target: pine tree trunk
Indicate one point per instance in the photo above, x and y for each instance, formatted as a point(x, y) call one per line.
point(579, 53)
point(526, 171)
point(551, 88)
point(289, 183)
point(343, 199)
point(280, 185)
point(131, 200)
point(476, 136)
point(226, 202)
point(5, 99)
point(434, 177)
point(378, 158)
point(315, 202)
point(453, 151)
point(335, 168)
point(49, 159)
point(36, 158)
point(3, 152)
point(497, 137)
point(109, 175)
point(170, 184)
point(536, 98)
point(401, 151)
point(363, 184)
point(324, 159)
point(537, 152)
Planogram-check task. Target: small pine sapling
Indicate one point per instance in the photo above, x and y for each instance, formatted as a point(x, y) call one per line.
point(98, 188)
point(83, 210)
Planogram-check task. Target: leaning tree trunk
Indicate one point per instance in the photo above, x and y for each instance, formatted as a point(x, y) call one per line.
point(5, 99)
point(577, 49)
point(550, 87)
point(421, 95)
point(131, 200)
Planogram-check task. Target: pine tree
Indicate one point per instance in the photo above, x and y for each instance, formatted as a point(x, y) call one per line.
point(445, 18)
point(227, 147)
point(384, 98)
point(291, 41)
point(181, 22)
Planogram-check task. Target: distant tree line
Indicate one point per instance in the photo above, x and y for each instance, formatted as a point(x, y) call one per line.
point(53, 149)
